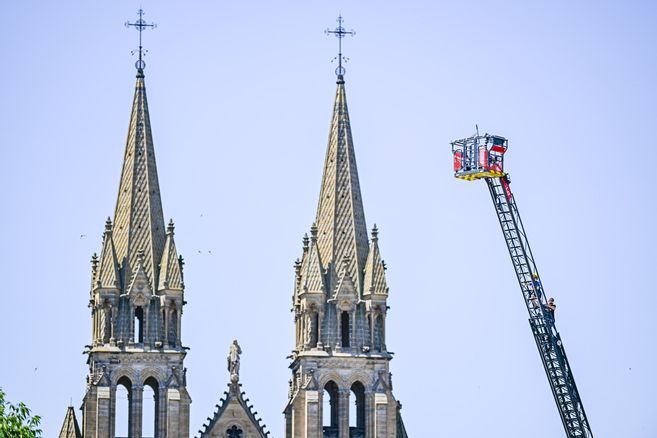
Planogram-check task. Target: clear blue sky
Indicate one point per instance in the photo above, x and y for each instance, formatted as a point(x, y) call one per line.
point(240, 95)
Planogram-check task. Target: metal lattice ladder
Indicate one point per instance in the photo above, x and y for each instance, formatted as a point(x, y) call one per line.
point(541, 320)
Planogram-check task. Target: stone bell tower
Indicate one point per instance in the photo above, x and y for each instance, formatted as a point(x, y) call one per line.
point(136, 301)
point(341, 362)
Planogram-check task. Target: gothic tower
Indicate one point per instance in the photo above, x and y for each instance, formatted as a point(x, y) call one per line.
point(340, 361)
point(136, 301)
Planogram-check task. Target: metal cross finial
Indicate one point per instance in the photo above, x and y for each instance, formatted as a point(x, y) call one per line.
point(140, 25)
point(340, 33)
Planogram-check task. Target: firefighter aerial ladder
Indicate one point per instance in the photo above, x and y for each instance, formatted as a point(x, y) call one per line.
point(482, 157)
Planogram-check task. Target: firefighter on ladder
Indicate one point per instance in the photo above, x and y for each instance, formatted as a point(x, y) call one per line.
point(551, 307)
point(537, 290)
point(549, 311)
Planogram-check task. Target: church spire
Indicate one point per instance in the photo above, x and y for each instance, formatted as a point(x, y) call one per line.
point(138, 218)
point(340, 306)
point(340, 217)
point(70, 428)
point(137, 298)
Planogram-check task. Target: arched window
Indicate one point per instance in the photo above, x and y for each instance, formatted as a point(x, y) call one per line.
point(151, 408)
point(344, 329)
point(123, 413)
point(330, 410)
point(139, 325)
point(234, 432)
point(357, 412)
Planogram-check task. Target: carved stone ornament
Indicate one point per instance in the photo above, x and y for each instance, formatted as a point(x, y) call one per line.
point(139, 299)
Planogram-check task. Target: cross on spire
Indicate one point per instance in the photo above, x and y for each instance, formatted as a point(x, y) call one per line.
point(340, 33)
point(140, 25)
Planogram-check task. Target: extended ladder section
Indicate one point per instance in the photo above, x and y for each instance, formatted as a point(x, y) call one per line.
point(541, 312)
point(541, 318)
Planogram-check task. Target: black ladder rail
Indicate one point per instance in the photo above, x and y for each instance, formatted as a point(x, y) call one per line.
point(548, 340)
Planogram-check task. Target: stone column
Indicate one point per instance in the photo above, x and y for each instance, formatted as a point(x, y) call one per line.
point(173, 413)
point(313, 326)
point(93, 327)
point(369, 414)
point(381, 415)
point(166, 325)
point(320, 318)
point(106, 324)
point(179, 327)
point(112, 323)
point(352, 330)
point(312, 416)
point(338, 318)
point(147, 333)
point(296, 332)
point(89, 411)
point(101, 413)
point(112, 411)
point(370, 322)
point(343, 409)
point(136, 407)
point(131, 323)
point(307, 327)
point(161, 421)
point(161, 318)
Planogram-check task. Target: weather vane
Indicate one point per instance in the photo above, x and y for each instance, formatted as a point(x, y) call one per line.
point(340, 33)
point(140, 25)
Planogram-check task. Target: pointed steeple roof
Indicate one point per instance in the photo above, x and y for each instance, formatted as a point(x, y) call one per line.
point(138, 219)
point(340, 216)
point(312, 271)
point(375, 275)
point(108, 276)
point(170, 270)
point(70, 428)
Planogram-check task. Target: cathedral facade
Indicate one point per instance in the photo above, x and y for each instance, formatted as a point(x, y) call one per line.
point(340, 307)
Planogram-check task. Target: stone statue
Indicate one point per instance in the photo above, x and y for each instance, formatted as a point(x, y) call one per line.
point(234, 359)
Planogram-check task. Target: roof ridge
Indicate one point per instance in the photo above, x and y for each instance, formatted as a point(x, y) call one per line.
point(234, 391)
